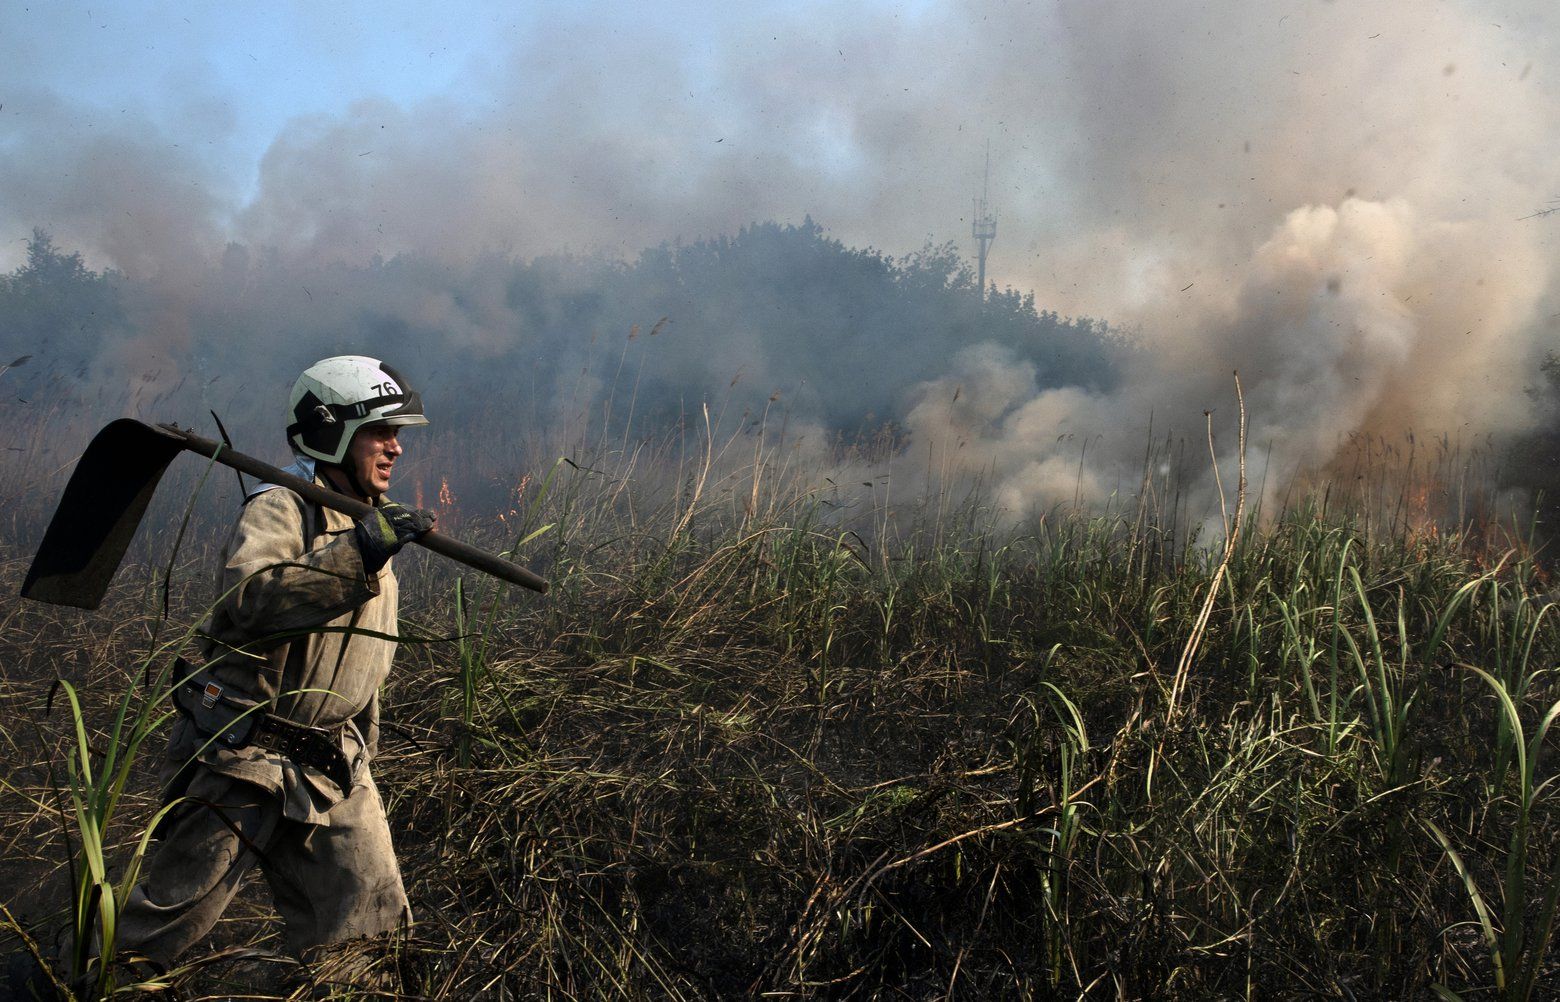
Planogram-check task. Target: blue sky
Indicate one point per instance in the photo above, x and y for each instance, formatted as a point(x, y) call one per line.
point(237, 73)
point(1122, 134)
point(1335, 197)
point(221, 83)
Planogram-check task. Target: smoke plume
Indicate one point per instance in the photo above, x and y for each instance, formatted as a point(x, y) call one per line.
point(1329, 199)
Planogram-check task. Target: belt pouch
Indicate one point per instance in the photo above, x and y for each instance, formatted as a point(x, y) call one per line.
point(215, 710)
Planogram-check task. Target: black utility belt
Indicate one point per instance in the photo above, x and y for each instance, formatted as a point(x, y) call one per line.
point(234, 721)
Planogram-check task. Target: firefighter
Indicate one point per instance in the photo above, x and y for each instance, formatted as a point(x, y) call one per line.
point(269, 759)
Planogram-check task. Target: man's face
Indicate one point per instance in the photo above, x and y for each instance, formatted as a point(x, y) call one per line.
point(372, 456)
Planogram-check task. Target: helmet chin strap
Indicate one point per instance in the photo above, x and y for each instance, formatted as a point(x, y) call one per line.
point(352, 480)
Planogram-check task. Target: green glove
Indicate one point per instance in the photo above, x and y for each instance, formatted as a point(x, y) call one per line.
point(382, 532)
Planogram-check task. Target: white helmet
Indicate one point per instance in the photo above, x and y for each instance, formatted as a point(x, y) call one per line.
point(336, 396)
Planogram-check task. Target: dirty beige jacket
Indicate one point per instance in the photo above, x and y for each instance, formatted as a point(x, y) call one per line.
point(292, 580)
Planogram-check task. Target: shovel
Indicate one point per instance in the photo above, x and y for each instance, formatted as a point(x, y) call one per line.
point(113, 483)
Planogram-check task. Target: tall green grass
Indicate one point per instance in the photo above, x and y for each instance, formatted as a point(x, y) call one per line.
point(768, 736)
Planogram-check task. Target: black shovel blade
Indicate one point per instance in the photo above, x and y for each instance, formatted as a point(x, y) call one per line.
point(98, 514)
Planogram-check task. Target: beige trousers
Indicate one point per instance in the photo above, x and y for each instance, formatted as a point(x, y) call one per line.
point(330, 882)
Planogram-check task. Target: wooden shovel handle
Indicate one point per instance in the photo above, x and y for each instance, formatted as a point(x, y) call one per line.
point(433, 540)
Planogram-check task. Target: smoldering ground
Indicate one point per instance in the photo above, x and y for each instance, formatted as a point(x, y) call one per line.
point(1327, 198)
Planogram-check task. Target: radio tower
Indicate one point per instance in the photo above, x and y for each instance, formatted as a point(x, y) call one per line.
point(984, 228)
